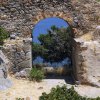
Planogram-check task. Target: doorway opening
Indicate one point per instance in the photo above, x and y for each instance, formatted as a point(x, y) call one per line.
point(52, 48)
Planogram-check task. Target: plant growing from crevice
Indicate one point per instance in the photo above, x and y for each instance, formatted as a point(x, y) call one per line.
point(3, 35)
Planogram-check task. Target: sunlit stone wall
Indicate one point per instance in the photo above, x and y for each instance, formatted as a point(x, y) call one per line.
point(20, 16)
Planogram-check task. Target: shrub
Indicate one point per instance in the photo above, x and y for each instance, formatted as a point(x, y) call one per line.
point(3, 35)
point(62, 93)
point(36, 74)
point(98, 0)
point(19, 98)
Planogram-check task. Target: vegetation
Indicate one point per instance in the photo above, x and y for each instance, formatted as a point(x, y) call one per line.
point(20, 99)
point(36, 74)
point(54, 46)
point(62, 93)
point(98, 0)
point(3, 35)
point(37, 50)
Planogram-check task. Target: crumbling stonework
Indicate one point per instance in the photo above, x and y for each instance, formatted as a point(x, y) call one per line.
point(3, 65)
point(20, 16)
point(86, 59)
point(19, 53)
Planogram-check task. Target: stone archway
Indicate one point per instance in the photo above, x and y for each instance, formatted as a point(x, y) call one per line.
point(21, 45)
point(19, 17)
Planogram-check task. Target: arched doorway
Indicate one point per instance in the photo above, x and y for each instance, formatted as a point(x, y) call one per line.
point(51, 47)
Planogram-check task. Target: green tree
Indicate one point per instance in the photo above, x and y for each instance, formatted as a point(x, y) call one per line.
point(37, 50)
point(55, 45)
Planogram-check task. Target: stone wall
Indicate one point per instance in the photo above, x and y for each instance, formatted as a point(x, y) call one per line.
point(19, 52)
point(4, 64)
point(79, 62)
point(20, 16)
point(86, 59)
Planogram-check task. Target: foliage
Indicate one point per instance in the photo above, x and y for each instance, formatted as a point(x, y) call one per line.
point(37, 50)
point(62, 93)
point(54, 46)
point(36, 74)
point(3, 35)
point(19, 98)
point(98, 0)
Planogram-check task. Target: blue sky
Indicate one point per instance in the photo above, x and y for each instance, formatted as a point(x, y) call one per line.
point(42, 26)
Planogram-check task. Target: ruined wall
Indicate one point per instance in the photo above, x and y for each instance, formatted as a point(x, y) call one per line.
point(86, 58)
point(19, 52)
point(20, 16)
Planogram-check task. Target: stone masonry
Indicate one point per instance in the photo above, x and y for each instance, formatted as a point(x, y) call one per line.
point(20, 16)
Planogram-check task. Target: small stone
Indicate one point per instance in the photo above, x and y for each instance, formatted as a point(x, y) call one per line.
point(12, 36)
point(23, 74)
point(8, 94)
point(40, 88)
point(13, 9)
point(27, 40)
point(78, 82)
point(2, 8)
point(28, 98)
point(3, 17)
